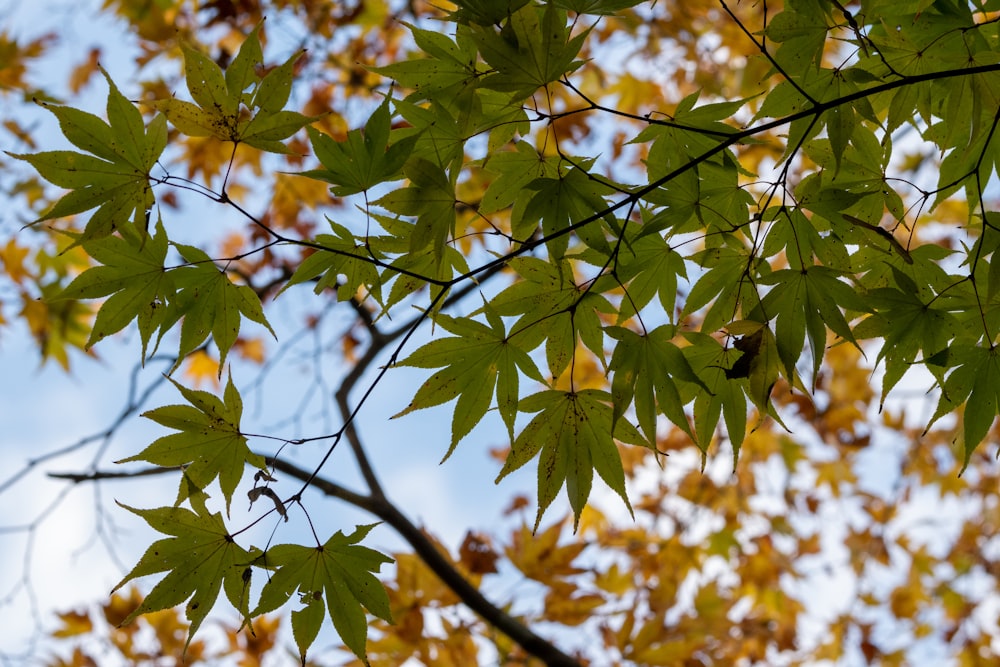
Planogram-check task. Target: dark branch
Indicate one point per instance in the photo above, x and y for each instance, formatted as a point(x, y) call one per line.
point(439, 564)
point(98, 475)
point(382, 508)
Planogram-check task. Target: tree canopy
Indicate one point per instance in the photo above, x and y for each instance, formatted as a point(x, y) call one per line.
point(659, 251)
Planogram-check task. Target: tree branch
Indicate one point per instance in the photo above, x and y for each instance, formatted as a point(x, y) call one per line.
point(98, 475)
point(381, 507)
point(428, 552)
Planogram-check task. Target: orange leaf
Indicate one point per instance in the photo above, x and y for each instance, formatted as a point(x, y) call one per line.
point(477, 554)
point(833, 474)
point(255, 643)
point(417, 586)
point(15, 128)
point(83, 72)
point(251, 349)
point(232, 245)
point(519, 501)
point(614, 580)
point(119, 607)
point(78, 659)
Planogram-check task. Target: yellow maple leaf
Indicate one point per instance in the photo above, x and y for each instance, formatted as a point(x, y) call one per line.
point(74, 623)
point(12, 257)
point(201, 366)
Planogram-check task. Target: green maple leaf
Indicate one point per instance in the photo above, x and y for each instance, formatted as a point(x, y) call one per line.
point(807, 302)
point(974, 381)
point(430, 197)
point(513, 170)
point(725, 287)
point(448, 71)
point(410, 271)
point(200, 559)
point(364, 159)
point(907, 319)
point(208, 442)
point(572, 436)
point(441, 132)
point(339, 572)
point(649, 267)
point(552, 309)
point(477, 360)
point(802, 31)
point(131, 271)
point(342, 255)
point(644, 369)
point(725, 399)
point(760, 364)
point(560, 202)
point(211, 303)
point(598, 7)
point(238, 105)
point(114, 176)
point(485, 12)
point(534, 48)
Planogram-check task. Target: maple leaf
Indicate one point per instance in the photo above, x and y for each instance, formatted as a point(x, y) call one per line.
point(208, 443)
point(909, 322)
point(975, 381)
point(572, 433)
point(364, 159)
point(252, 349)
point(340, 255)
point(650, 268)
point(478, 359)
point(131, 273)
point(74, 623)
point(551, 308)
point(560, 202)
point(514, 170)
point(114, 177)
point(430, 197)
point(83, 72)
point(644, 370)
point(200, 559)
point(533, 48)
point(449, 71)
point(340, 571)
point(12, 258)
point(211, 303)
point(725, 398)
point(807, 303)
point(202, 366)
point(238, 105)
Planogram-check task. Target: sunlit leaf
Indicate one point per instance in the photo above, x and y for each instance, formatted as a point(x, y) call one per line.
point(208, 443)
point(341, 572)
point(200, 559)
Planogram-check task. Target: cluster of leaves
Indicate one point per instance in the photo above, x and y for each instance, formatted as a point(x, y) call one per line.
point(722, 567)
point(86, 638)
point(732, 239)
